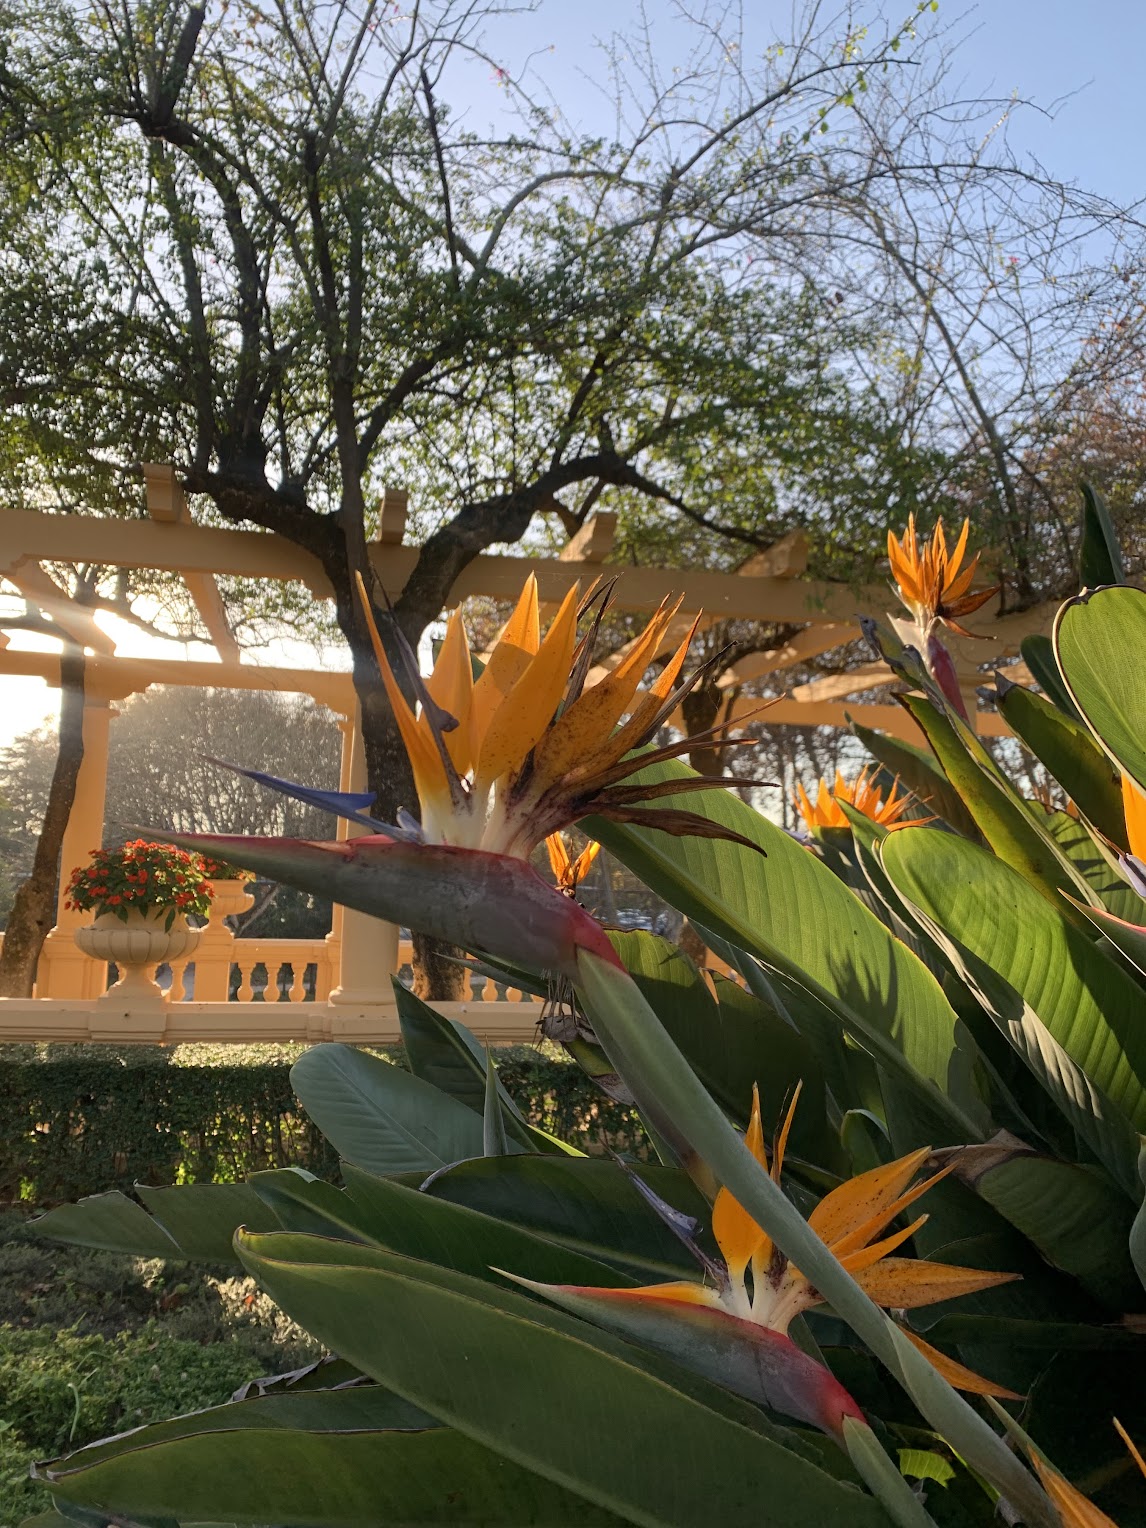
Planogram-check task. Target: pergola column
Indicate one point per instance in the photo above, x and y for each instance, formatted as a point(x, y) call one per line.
point(64, 970)
point(367, 947)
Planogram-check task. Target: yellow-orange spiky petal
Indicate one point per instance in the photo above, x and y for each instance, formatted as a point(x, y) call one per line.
point(737, 1234)
point(511, 656)
point(658, 692)
point(1073, 1507)
point(1130, 1444)
point(1134, 808)
point(956, 1374)
point(903, 1283)
point(527, 710)
point(451, 686)
point(425, 761)
point(856, 1200)
point(932, 581)
point(864, 1257)
point(580, 733)
point(860, 1235)
point(559, 861)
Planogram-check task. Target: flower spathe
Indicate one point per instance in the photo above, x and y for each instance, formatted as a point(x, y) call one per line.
point(503, 761)
point(862, 793)
point(755, 1289)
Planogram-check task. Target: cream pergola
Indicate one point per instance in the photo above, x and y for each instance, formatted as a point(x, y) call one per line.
point(771, 587)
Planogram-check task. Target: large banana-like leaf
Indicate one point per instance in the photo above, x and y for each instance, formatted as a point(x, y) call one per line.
point(917, 769)
point(196, 1221)
point(1096, 863)
point(1138, 1234)
point(1003, 819)
point(326, 1459)
point(1038, 654)
point(790, 910)
point(591, 1206)
point(1075, 1216)
point(380, 1117)
point(653, 1066)
point(1026, 963)
point(445, 1054)
point(1100, 557)
point(618, 1426)
point(1100, 644)
point(1069, 753)
point(732, 1043)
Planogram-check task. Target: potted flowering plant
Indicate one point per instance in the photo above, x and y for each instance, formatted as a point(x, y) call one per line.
point(153, 882)
point(141, 895)
point(228, 887)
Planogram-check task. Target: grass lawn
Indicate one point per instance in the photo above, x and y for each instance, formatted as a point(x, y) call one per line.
point(92, 1343)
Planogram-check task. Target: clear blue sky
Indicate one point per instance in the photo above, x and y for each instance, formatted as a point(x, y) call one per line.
point(1043, 49)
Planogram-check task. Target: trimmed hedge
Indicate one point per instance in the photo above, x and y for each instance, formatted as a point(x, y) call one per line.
point(75, 1127)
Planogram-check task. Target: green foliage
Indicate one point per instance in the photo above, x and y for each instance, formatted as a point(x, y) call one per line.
point(70, 1128)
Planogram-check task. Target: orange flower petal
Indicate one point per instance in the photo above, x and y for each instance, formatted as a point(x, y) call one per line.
point(451, 685)
point(864, 1257)
point(737, 1234)
point(903, 1283)
point(1073, 1507)
point(858, 1199)
point(1129, 1442)
point(1134, 808)
point(429, 772)
point(527, 710)
point(955, 1374)
point(511, 656)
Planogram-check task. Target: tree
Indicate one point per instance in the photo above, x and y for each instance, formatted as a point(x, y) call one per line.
point(296, 274)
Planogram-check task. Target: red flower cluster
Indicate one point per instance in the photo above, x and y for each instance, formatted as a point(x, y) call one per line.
point(219, 870)
point(148, 877)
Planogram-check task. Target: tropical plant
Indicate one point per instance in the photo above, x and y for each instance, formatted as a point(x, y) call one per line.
point(528, 1335)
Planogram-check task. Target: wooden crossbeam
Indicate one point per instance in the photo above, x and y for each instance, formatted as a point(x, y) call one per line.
point(167, 505)
point(114, 678)
point(39, 588)
point(255, 554)
point(823, 713)
point(806, 644)
point(392, 517)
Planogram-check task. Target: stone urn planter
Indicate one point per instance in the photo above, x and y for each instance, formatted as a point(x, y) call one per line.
point(137, 943)
point(229, 897)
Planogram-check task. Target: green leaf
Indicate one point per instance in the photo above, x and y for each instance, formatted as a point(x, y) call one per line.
point(588, 1205)
point(1070, 755)
point(494, 1140)
point(382, 1213)
point(1040, 980)
point(1003, 819)
point(1074, 1215)
point(381, 1117)
point(445, 1054)
point(112, 1222)
point(918, 771)
point(732, 1043)
point(1100, 643)
point(884, 1479)
point(653, 1066)
point(329, 1459)
point(925, 1464)
point(788, 909)
point(1130, 938)
point(1138, 1232)
point(195, 1221)
point(1038, 654)
point(1115, 895)
point(1100, 557)
point(485, 1363)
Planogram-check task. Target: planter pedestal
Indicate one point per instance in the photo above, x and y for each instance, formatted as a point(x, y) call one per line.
point(137, 946)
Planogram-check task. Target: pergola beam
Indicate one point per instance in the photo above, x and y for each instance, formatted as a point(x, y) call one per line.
point(39, 588)
point(181, 548)
point(167, 505)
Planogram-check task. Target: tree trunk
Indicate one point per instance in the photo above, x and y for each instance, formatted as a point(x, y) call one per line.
point(700, 709)
point(34, 908)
